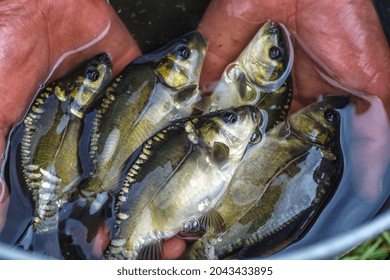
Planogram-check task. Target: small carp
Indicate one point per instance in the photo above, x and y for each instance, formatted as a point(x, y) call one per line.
point(280, 187)
point(51, 132)
point(185, 173)
point(150, 93)
point(260, 76)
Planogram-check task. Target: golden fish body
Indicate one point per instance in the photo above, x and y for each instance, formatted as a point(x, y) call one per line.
point(147, 96)
point(180, 183)
point(260, 76)
point(51, 132)
point(280, 186)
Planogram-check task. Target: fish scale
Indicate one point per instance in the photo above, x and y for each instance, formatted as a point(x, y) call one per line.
point(256, 78)
point(50, 133)
point(143, 101)
point(280, 187)
point(178, 166)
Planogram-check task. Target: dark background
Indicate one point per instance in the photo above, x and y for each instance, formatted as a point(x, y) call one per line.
point(155, 23)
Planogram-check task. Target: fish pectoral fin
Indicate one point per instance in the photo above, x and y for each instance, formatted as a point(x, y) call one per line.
point(327, 154)
point(220, 153)
point(152, 251)
point(212, 221)
point(202, 105)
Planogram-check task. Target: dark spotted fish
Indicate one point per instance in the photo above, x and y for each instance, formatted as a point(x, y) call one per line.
point(280, 186)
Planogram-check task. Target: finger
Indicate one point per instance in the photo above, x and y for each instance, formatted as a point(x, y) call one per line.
point(108, 35)
point(369, 148)
point(101, 241)
point(43, 35)
point(173, 248)
point(4, 202)
point(341, 34)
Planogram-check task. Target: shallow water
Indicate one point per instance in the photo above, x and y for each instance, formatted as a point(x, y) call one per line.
point(364, 188)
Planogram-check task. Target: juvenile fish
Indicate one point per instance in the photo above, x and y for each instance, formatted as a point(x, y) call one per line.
point(184, 175)
point(49, 149)
point(260, 76)
point(145, 97)
point(279, 187)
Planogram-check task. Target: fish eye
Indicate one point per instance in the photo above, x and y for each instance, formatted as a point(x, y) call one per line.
point(93, 74)
point(229, 118)
point(255, 138)
point(183, 53)
point(275, 53)
point(331, 115)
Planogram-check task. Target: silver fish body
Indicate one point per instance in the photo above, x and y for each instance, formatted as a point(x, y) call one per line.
point(180, 183)
point(261, 72)
point(279, 187)
point(150, 93)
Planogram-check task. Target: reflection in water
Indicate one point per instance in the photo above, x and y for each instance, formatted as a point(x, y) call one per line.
point(4, 202)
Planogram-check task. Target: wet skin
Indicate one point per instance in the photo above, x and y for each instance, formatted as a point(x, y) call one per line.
point(345, 45)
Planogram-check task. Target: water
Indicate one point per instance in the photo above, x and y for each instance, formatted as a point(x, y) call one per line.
point(365, 186)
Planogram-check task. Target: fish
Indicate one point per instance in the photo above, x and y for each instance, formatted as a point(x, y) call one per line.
point(150, 93)
point(176, 179)
point(51, 129)
point(280, 187)
point(260, 76)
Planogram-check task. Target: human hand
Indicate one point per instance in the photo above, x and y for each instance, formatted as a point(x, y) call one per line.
point(344, 45)
point(44, 31)
point(340, 35)
point(36, 37)
point(345, 36)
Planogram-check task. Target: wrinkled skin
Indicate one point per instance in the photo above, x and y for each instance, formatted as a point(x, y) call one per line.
point(345, 36)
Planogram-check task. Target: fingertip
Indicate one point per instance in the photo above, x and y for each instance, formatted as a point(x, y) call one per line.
point(101, 241)
point(173, 248)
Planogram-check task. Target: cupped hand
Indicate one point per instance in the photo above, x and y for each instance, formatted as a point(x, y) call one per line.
point(345, 36)
point(343, 39)
point(36, 37)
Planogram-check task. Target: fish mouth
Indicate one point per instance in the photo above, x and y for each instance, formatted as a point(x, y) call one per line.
point(337, 101)
point(329, 103)
point(104, 58)
point(196, 40)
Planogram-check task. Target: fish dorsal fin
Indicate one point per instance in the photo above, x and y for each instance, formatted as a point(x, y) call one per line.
point(152, 251)
point(212, 221)
point(220, 153)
